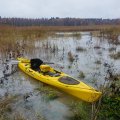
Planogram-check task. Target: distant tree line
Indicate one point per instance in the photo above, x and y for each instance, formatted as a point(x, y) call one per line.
point(58, 21)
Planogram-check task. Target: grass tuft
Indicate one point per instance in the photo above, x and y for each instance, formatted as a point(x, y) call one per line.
point(115, 56)
point(49, 93)
point(80, 111)
point(70, 56)
point(81, 49)
point(81, 74)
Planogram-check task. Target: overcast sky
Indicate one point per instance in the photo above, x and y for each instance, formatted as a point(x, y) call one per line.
point(60, 8)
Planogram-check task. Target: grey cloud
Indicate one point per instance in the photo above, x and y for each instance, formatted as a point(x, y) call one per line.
point(60, 8)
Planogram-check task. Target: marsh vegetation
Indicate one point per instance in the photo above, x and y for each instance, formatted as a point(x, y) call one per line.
point(92, 57)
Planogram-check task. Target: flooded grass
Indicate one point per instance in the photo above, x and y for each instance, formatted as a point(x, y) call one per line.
point(110, 100)
point(42, 102)
point(115, 56)
point(97, 47)
point(80, 111)
point(81, 74)
point(9, 36)
point(19, 116)
point(98, 62)
point(112, 49)
point(81, 49)
point(49, 93)
point(70, 56)
point(6, 107)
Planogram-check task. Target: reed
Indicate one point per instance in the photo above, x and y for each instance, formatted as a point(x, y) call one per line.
point(115, 56)
point(81, 74)
point(108, 105)
point(18, 116)
point(6, 107)
point(16, 40)
point(100, 28)
point(112, 49)
point(80, 49)
point(70, 56)
point(80, 111)
point(98, 62)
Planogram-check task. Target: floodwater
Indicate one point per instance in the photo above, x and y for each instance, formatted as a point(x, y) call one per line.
point(71, 54)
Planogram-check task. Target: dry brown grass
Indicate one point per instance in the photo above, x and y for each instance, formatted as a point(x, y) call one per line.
point(5, 107)
point(10, 35)
point(62, 28)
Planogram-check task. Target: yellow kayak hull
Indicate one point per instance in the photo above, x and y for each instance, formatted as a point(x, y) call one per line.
point(79, 90)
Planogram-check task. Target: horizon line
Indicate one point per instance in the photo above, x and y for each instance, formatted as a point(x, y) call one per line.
point(59, 17)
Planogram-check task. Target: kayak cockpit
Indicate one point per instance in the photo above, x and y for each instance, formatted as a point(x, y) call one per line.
point(45, 70)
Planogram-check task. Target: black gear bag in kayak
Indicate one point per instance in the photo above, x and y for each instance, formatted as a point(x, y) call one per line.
point(35, 63)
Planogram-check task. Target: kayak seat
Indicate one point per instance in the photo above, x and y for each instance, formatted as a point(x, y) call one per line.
point(52, 74)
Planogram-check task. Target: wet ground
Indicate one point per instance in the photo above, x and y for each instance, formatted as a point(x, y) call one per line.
point(82, 56)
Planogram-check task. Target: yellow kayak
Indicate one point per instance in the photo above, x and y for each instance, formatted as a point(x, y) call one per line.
point(60, 80)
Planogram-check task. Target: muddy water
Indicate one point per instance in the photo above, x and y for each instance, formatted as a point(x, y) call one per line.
point(70, 54)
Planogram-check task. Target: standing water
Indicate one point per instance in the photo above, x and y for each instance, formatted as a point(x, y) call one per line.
point(82, 56)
